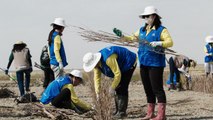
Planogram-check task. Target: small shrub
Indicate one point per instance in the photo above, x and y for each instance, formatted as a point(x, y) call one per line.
point(104, 105)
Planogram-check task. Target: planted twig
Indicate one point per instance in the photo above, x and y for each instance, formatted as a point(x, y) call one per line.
point(103, 106)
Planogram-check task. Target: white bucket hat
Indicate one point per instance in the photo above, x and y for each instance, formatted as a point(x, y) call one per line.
point(90, 61)
point(209, 39)
point(149, 10)
point(60, 22)
point(77, 73)
point(19, 42)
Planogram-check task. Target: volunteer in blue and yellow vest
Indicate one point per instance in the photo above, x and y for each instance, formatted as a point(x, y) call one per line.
point(151, 63)
point(115, 62)
point(56, 47)
point(60, 93)
point(21, 57)
point(208, 49)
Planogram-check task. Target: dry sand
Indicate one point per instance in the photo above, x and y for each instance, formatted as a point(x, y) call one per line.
point(183, 105)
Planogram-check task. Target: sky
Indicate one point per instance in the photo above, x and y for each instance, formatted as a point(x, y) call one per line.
point(188, 22)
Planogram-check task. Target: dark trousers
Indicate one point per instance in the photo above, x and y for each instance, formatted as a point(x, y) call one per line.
point(173, 70)
point(48, 76)
point(20, 78)
point(63, 100)
point(123, 86)
point(152, 79)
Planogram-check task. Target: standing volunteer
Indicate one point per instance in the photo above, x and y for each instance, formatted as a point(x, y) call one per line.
point(208, 49)
point(115, 62)
point(152, 63)
point(23, 65)
point(60, 93)
point(56, 48)
point(45, 63)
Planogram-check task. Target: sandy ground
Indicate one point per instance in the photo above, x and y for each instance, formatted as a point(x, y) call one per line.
point(184, 105)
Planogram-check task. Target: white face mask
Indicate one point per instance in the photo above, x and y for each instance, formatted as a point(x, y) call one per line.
point(149, 20)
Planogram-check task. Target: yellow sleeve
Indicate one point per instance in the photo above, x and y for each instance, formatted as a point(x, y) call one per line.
point(113, 65)
point(205, 50)
point(166, 39)
point(57, 47)
point(97, 80)
point(132, 37)
point(75, 99)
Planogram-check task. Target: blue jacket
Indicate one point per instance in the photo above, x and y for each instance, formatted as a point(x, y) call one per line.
point(209, 50)
point(126, 59)
point(54, 88)
point(145, 54)
point(53, 60)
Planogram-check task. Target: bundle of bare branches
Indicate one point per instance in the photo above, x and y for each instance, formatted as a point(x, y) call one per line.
point(95, 36)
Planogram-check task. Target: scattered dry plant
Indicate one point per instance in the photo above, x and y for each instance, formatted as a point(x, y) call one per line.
point(5, 93)
point(202, 84)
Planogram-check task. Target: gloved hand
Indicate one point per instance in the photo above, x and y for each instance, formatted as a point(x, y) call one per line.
point(6, 71)
point(118, 32)
point(93, 108)
point(97, 97)
point(61, 67)
point(209, 54)
point(112, 91)
point(156, 43)
point(188, 76)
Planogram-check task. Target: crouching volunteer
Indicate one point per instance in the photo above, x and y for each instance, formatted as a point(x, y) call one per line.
point(23, 65)
point(60, 93)
point(115, 62)
point(179, 64)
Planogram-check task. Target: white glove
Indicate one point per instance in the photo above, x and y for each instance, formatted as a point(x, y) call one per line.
point(93, 107)
point(209, 54)
point(97, 97)
point(61, 67)
point(112, 91)
point(156, 43)
point(187, 75)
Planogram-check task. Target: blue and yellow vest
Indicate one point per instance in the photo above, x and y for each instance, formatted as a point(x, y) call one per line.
point(125, 59)
point(209, 50)
point(53, 60)
point(54, 88)
point(146, 56)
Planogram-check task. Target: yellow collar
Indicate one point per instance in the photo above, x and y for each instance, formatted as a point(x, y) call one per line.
point(148, 27)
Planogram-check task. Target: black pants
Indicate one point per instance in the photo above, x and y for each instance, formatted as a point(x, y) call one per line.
point(63, 100)
point(48, 76)
point(152, 79)
point(173, 70)
point(123, 86)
